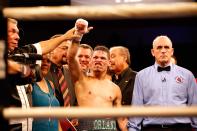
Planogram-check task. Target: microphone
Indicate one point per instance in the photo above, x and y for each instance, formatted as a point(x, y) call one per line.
point(30, 56)
point(164, 79)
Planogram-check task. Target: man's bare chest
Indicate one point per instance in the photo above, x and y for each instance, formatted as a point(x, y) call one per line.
point(94, 89)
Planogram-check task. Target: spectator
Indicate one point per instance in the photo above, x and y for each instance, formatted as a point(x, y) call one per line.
point(123, 76)
point(43, 95)
point(17, 71)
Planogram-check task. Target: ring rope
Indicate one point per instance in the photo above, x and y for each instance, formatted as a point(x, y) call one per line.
point(104, 12)
point(93, 112)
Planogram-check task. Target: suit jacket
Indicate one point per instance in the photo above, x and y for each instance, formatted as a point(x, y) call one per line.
point(14, 99)
point(126, 83)
point(16, 79)
point(52, 76)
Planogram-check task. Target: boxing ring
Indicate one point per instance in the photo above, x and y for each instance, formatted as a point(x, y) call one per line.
point(115, 12)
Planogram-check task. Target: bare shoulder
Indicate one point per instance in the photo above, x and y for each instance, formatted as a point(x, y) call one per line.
point(112, 84)
point(85, 79)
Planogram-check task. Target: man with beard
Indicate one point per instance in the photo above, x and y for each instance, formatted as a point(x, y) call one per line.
point(89, 88)
point(66, 96)
point(58, 59)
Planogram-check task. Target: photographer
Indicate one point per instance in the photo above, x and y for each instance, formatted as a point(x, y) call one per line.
point(18, 73)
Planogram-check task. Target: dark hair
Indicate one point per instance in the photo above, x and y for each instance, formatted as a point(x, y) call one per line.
point(102, 48)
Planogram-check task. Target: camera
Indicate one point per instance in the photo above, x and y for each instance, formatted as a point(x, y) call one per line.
point(30, 71)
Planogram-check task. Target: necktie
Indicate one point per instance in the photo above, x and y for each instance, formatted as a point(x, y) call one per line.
point(159, 69)
point(63, 87)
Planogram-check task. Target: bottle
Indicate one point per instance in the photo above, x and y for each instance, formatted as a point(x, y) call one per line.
point(81, 27)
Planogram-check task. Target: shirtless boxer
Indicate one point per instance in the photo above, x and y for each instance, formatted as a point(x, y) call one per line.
point(95, 90)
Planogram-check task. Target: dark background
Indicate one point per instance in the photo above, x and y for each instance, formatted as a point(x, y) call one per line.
point(136, 34)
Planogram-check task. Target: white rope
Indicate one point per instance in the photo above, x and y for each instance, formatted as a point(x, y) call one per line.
point(79, 112)
point(161, 10)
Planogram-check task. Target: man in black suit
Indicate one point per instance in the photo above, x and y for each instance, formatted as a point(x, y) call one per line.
point(123, 76)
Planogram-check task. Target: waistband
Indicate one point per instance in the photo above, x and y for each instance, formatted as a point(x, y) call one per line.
point(97, 125)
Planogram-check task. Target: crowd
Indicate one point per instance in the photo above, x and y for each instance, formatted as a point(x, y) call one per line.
point(75, 74)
